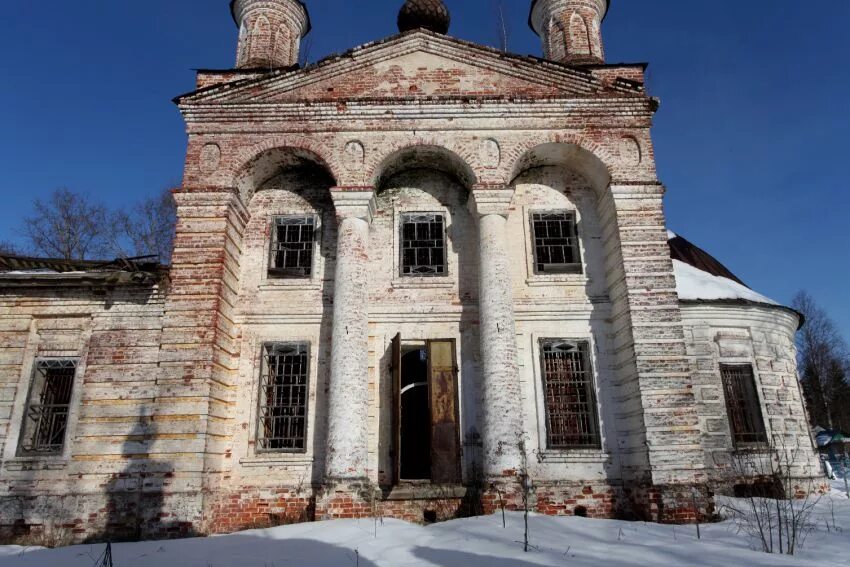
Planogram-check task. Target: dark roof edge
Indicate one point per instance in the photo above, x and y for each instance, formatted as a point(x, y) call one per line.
point(81, 279)
point(746, 303)
point(15, 265)
point(303, 5)
point(534, 3)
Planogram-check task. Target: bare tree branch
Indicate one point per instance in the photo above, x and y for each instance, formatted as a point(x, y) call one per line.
point(149, 226)
point(8, 248)
point(70, 226)
point(823, 359)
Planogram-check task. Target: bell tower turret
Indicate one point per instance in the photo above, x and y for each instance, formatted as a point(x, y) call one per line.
point(270, 32)
point(571, 30)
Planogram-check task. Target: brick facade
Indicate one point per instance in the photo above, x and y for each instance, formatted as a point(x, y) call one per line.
point(163, 435)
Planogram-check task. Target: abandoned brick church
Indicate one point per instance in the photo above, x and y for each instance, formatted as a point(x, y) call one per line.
point(408, 280)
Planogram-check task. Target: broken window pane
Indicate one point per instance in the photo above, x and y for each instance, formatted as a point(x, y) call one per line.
point(742, 404)
point(46, 416)
point(423, 245)
point(556, 245)
point(293, 242)
point(283, 397)
point(571, 414)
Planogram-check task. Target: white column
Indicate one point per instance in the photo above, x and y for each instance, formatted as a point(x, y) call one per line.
point(348, 398)
point(502, 410)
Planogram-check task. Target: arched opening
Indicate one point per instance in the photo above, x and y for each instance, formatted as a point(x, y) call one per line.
point(571, 156)
point(424, 157)
point(260, 42)
point(256, 174)
point(291, 229)
point(579, 36)
point(557, 41)
point(559, 187)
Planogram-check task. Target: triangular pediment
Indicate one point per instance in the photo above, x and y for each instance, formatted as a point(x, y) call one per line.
point(412, 65)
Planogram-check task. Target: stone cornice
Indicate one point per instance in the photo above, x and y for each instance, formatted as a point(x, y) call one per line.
point(394, 110)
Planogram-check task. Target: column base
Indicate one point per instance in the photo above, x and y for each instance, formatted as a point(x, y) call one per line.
point(347, 499)
point(672, 504)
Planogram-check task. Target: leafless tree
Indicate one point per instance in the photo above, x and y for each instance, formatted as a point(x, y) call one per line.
point(502, 27)
point(823, 361)
point(775, 506)
point(69, 226)
point(148, 227)
point(8, 248)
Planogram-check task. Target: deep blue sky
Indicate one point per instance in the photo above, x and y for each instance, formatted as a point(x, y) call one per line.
point(751, 139)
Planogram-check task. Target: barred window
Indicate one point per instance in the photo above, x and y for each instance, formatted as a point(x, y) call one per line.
point(293, 242)
point(742, 404)
point(423, 245)
point(46, 416)
point(571, 415)
point(556, 245)
point(284, 384)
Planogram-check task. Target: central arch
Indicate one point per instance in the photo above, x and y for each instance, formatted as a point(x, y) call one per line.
point(423, 156)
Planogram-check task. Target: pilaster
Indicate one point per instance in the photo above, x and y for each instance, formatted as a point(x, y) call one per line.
point(198, 357)
point(658, 425)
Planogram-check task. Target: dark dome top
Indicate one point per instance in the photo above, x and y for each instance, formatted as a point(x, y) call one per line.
point(429, 14)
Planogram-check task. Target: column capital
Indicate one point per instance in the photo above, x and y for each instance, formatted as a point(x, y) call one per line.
point(491, 201)
point(354, 202)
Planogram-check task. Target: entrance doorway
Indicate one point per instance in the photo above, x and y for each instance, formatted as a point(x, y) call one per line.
point(426, 420)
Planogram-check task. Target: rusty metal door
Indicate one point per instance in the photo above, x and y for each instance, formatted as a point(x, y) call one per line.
point(445, 426)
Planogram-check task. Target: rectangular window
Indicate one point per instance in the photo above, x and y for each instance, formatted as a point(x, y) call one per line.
point(46, 417)
point(742, 404)
point(293, 242)
point(423, 245)
point(556, 246)
point(571, 415)
point(284, 387)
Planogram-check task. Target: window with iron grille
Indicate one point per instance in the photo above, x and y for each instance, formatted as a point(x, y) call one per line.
point(46, 416)
point(556, 245)
point(571, 414)
point(742, 404)
point(284, 387)
point(423, 245)
point(292, 247)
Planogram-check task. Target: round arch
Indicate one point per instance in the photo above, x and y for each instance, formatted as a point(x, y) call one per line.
point(575, 153)
point(255, 165)
point(269, 163)
point(426, 156)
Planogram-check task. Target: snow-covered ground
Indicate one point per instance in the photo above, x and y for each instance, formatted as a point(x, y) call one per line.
point(469, 543)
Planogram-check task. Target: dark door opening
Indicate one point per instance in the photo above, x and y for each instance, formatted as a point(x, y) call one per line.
point(415, 434)
point(426, 420)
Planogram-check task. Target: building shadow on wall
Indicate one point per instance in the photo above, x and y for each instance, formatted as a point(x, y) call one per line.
point(135, 497)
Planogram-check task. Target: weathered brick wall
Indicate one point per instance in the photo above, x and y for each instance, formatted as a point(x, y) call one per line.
point(166, 431)
point(110, 469)
point(764, 338)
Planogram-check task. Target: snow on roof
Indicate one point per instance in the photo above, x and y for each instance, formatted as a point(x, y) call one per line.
point(701, 277)
point(695, 285)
